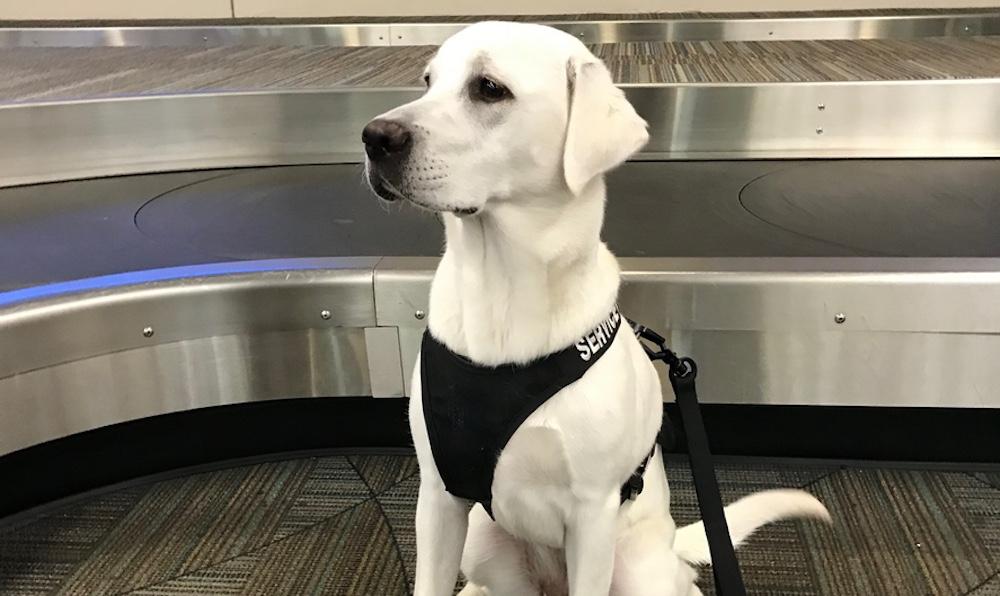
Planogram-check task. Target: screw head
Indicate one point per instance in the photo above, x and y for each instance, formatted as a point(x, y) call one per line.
point(821, 107)
point(325, 315)
point(147, 332)
point(419, 315)
point(819, 130)
point(840, 318)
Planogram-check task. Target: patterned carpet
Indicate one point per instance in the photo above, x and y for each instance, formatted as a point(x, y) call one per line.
point(68, 73)
point(343, 525)
point(605, 16)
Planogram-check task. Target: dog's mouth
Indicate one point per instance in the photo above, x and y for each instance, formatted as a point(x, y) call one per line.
point(390, 193)
point(385, 190)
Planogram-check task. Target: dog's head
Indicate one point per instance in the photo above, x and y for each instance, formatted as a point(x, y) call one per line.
point(511, 111)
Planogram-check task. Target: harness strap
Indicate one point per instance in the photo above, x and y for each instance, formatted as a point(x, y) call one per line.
point(683, 371)
point(635, 483)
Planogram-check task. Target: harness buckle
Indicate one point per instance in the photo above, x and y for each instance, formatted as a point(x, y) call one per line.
point(633, 487)
point(680, 368)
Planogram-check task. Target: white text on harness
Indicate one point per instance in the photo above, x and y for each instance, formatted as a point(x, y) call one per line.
point(601, 336)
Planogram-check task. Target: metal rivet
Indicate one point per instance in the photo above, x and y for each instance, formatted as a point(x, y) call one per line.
point(420, 315)
point(821, 107)
point(819, 131)
point(325, 315)
point(840, 318)
point(147, 332)
point(968, 28)
point(204, 38)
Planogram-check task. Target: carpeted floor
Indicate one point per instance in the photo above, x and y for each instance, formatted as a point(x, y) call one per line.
point(343, 525)
point(593, 16)
point(44, 74)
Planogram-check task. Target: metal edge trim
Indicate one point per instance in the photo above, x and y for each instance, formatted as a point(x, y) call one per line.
point(432, 33)
point(91, 317)
point(195, 95)
point(79, 288)
point(401, 287)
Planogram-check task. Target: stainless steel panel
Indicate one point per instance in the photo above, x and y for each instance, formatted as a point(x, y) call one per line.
point(804, 295)
point(860, 27)
point(361, 34)
point(402, 285)
point(954, 118)
point(872, 332)
point(42, 142)
point(194, 36)
point(60, 400)
point(804, 120)
point(42, 327)
point(915, 332)
point(85, 354)
point(384, 368)
point(866, 27)
point(844, 368)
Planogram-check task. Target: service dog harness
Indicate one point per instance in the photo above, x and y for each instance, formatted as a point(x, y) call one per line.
point(472, 411)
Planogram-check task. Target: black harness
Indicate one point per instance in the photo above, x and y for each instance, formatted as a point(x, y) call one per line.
point(472, 411)
point(467, 435)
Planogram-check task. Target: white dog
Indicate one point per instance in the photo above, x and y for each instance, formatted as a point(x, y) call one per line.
point(509, 144)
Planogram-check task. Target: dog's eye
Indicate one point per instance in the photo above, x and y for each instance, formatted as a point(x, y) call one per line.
point(490, 91)
point(427, 79)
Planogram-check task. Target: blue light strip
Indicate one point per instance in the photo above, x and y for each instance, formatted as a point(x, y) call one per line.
point(135, 278)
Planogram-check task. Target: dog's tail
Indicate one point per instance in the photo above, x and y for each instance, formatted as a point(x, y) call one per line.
point(745, 516)
point(472, 589)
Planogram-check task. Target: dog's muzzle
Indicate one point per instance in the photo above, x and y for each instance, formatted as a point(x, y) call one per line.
point(387, 145)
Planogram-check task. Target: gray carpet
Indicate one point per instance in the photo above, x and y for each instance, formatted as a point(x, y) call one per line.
point(43, 74)
point(343, 525)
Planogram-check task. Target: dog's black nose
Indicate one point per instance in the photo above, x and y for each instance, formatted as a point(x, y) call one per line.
point(385, 138)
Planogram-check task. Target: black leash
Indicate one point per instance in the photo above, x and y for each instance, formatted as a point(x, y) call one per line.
point(683, 371)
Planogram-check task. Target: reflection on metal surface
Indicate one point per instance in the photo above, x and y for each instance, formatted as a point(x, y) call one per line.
point(915, 332)
point(194, 36)
point(834, 120)
point(860, 27)
point(767, 328)
point(41, 142)
point(402, 285)
point(78, 356)
point(110, 319)
point(60, 400)
point(379, 34)
point(385, 371)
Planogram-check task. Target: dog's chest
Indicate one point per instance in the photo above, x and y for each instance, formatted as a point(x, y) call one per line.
point(584, 441)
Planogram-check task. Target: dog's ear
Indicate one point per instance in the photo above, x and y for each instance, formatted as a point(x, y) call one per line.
point(603, 129)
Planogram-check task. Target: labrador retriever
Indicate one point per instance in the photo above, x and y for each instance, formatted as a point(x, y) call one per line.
point(509, 145)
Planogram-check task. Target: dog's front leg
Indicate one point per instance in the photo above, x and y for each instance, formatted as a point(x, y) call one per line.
point(442, 522)
point(590, 546)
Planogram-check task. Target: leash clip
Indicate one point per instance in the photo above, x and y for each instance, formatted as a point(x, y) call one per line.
point(680, 368)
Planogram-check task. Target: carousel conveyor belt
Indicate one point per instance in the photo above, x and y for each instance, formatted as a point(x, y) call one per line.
point(820, 208)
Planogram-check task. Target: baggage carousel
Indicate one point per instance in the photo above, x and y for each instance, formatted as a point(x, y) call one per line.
point(192, 270)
